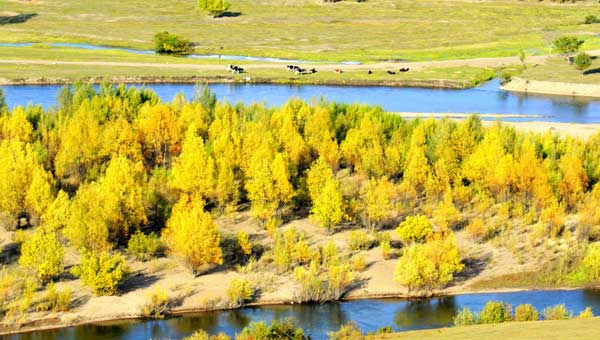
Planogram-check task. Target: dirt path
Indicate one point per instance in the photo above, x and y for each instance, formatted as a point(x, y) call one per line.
point(478, 62)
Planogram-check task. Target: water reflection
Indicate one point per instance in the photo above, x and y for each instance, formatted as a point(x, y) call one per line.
point(426, 313)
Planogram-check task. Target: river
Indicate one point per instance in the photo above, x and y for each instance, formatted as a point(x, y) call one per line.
point(485, 99)
point(318, 319)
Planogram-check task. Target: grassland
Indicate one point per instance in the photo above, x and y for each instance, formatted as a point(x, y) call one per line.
point(309, 29)
point(542, 330)
point(557, 69)
point(66, 65)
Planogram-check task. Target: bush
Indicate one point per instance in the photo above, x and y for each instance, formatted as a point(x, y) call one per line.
point(567, 44)
point(582, 61)
point(349, 331)
point(157, 304)
point(386, 249)
point(591, 19)
point(429, 266)
point(244, 244)
point(215, 7)
point(558, 312)
point(202, 335)
point(102, 272)
point(239, 292)
point(54, 300)
point(359, 262)
point(359, 240)
point(586, 313)
point(465, 318)
point(144, 247)
point(278, 330)
point(526, 312)
point(43, 254)
point(167, 43)
point(414, 229)
point(477, 230)
point(494, 312)
point(591, 262)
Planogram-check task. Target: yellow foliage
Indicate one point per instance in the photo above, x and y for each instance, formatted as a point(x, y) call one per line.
point(192, 235)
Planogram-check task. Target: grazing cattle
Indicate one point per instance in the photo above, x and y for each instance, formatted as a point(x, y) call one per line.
point(404, 69)
point(339, 70)
point(391, 72)
point(300, 71)
point(369, 72)
point(235, 69)
point(313, 70)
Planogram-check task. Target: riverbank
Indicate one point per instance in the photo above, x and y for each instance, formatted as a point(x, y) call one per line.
point(521, 85)
point(208, 292)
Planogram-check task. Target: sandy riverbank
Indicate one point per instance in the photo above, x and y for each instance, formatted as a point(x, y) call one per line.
point(552, 88)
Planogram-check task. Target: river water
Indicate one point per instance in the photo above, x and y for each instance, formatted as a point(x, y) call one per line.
point(319, 319)
point(485, 99)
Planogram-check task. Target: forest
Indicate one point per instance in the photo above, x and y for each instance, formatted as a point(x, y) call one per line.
point(111, 170)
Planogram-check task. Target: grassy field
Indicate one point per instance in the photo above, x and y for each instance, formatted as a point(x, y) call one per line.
point(156, 67)
point(539, 330)
point(557, 69)
point(309, 29)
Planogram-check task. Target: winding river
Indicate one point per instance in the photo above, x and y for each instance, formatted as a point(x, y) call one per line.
point(486, 99)
point(317, 320)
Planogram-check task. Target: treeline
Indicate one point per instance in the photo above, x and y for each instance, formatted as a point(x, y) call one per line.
point(112, 162)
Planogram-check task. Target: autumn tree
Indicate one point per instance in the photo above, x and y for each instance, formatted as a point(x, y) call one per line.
point(376, 201)
point(328, 206)
point(430, 265)
point(194, 169)
point(574, 180)
point(417, 169)
point(268, 184)
point(192, 235)
point(102, 272)
point(43, 254)
point(160, 135)
point(414, 229)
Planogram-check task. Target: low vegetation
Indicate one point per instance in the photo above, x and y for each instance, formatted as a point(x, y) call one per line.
point(168, 43)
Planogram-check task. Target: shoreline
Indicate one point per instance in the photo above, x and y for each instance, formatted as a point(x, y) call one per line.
point(433, 83)
point(521, 85)
point(47, 325)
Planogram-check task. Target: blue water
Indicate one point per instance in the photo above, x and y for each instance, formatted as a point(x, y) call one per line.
point(149, 52)
point(318, 320)
point(486, 99)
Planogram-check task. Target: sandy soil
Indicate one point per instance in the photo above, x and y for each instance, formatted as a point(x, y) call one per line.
point(552, 88)
point(193, 293)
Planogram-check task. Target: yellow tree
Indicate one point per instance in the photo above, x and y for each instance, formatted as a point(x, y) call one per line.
point(86, 227)
point(417, 169)
point(79, 156)
point(192, 235)
point(363, 148)
point(328, 207)
point(317, 176)
point(16, 126)
point(319, 136)
point(268, 183)
point(43, 254)
point(446, 215)
point(194, 169)
point(574, 180)
point(120, 197)
point(159, 134)
point(376, 201)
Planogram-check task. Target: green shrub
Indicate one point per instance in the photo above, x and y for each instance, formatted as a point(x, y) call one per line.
point(359, 240)
point(526, 312)
point(567, 44)
point(558, 312)
point(167, 43)
point(359, 262)
point(494, 312)
point(215, 7)
point(587, 313)
point(278, 330)
point(414, 229)
point(157, 304)
point(239, 292)
point(102, 272)
point(144, 247)
point(465, 318)
point(591, 19)
point(582, 61)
